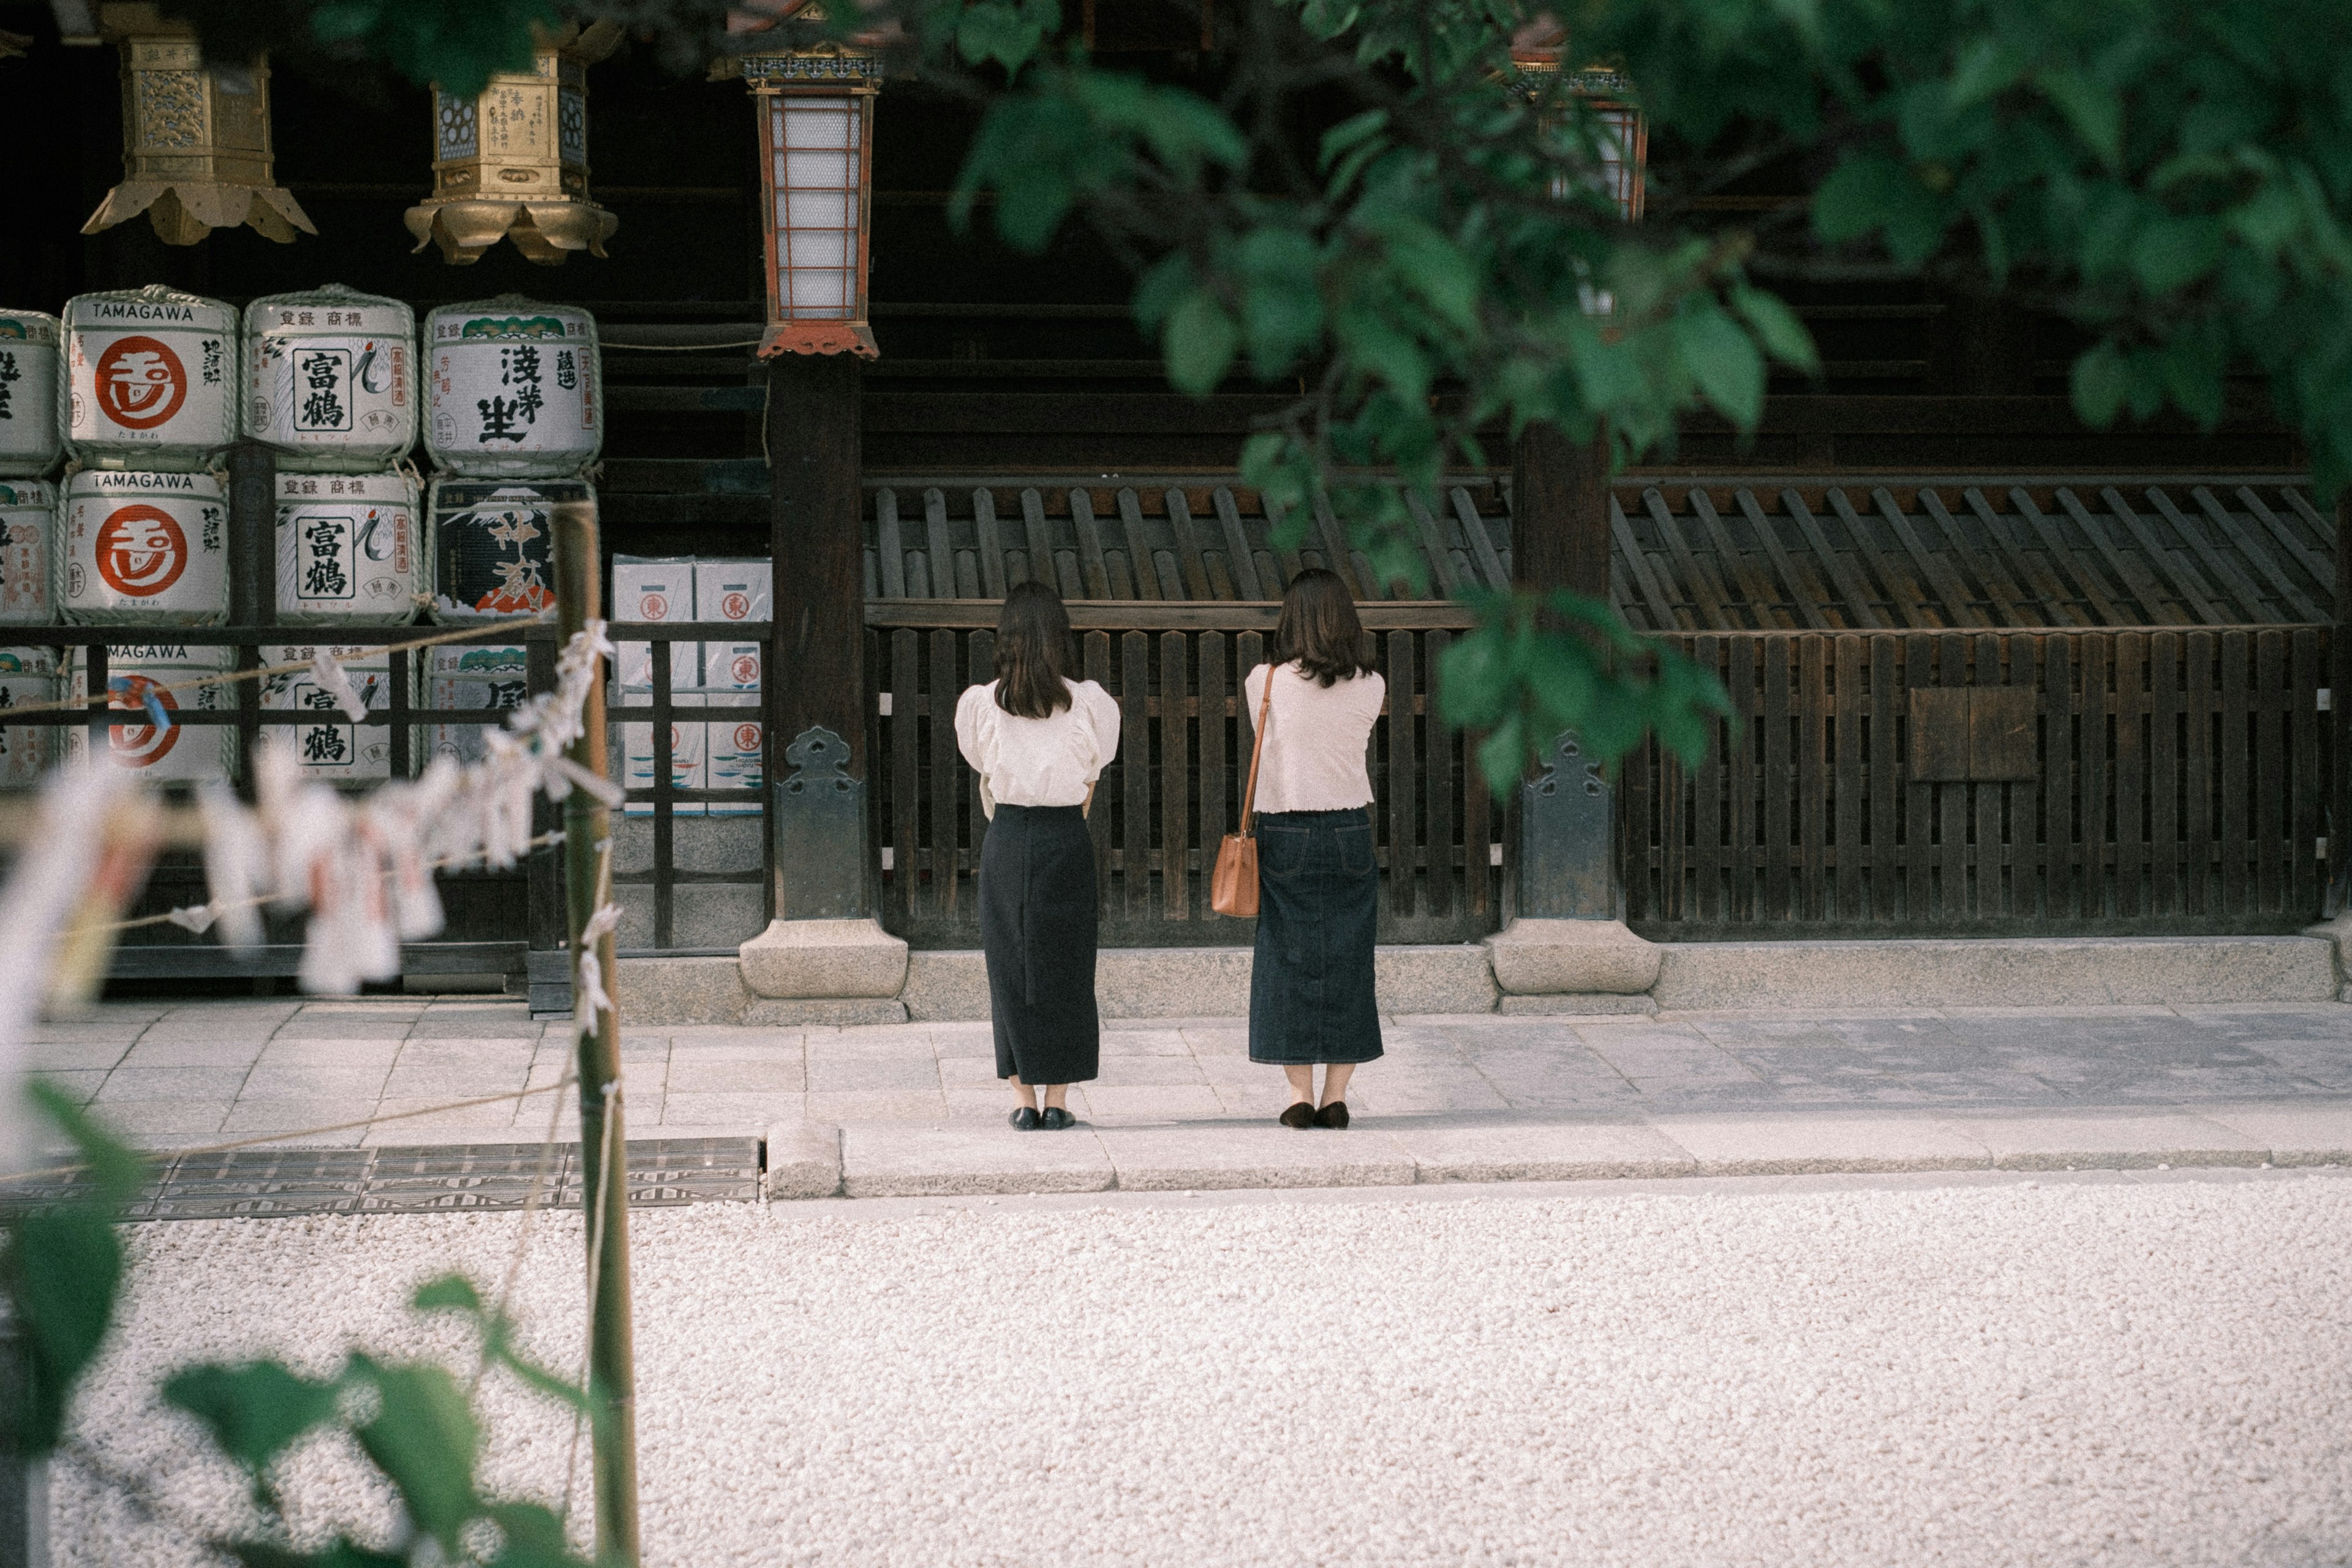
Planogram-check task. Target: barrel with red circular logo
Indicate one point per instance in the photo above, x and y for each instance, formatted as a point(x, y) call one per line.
point(29, 443)
point(28, 521)
point(150, 379)
point(139, 548)
point(150, 695)
point(512, 386)
point(28, 677)
point(350, 550)
point(332, 380)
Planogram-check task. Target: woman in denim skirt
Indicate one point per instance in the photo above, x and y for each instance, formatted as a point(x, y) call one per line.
point(1038, 741)
point(1318, 886)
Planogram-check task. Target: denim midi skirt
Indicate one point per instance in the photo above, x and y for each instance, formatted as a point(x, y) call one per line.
point(1318, 896)
point(1037, 922)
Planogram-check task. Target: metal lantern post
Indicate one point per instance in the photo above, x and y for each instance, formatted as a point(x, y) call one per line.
point(511, 161)
point(196, 152)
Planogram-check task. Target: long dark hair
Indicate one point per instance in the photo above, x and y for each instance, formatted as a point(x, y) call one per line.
point(1319, 629)
point(1033, 652)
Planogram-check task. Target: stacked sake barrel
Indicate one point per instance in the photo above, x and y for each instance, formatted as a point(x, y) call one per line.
point(148, 408)
point(332, 389)
point(30, 447)
point(514, 420)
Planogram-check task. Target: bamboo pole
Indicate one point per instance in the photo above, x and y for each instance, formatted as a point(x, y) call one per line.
point(587, 850)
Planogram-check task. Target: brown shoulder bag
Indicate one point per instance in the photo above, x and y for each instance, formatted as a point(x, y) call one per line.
point(1232, 886)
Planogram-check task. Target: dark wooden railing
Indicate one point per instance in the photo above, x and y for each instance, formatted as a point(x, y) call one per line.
point(1979, 784)
point(1175, 788)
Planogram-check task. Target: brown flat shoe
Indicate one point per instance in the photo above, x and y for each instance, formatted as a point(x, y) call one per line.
point(1301, 1116)
point(1332, 1115)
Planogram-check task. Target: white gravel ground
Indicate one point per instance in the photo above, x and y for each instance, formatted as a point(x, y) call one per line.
point(1988, 1374)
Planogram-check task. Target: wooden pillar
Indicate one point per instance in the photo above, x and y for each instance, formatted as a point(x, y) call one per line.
point(815, 679)
point(1564, 845)
point(2339, 716)
point(1560, 512)
point(252, 577)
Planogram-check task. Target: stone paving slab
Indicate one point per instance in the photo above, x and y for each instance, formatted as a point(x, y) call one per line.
point(2306, 1134)
point(2106, 1139)
point(898, 1160)
point(1207, 1156)
point(1787, 1144)
point(1541, 1151)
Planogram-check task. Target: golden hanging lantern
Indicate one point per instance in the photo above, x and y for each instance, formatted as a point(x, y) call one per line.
point(195, 137)
point(511, 161)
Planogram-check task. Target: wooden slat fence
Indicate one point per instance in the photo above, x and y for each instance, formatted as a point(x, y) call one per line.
point(1173, 792)
point(2162, 780)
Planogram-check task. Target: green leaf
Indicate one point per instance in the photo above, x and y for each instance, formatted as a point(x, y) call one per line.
point(1873, 191)
point(1349, 135)
point(1199, 343)
point(2173, 253)
point(423, 1439)
point(1503, 756)
point(458, 43)
point(1282, 299)
point(253, 1410)
point(1724, 362)
point(1010, 36)
point(2100, 381)
point(451, 1292)
point(61, 1270)
point(2092, 108)
point(1777, 328)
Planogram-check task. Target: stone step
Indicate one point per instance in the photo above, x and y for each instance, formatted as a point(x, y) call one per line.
point(808, 1160)
point(1214, 982)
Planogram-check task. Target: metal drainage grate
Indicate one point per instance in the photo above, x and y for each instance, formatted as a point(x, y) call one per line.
point(272, 1182)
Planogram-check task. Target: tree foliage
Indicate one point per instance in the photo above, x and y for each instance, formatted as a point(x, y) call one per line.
point(1442, 269)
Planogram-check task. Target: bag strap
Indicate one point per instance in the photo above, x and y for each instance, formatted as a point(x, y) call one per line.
point(1257, 748)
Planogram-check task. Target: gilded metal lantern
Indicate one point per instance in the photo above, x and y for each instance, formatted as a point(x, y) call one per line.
point(817, 179)
point(511, 161)
point(196, 138)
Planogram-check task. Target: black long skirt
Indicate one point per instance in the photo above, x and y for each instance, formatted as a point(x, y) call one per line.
point(1318, 901)
point(1037, 926)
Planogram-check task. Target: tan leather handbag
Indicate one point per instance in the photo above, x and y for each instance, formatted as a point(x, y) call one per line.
point(1232, 886)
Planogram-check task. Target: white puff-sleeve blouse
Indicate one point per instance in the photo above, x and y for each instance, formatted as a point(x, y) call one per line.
point(1037, 762)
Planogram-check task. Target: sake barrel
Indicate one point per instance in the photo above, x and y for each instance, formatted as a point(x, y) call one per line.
point(29, 443)
point(331, 379)
point(491, 544)
point(27, 675)
point(324, 741)
point(136, 671)
point(467, 677)
point(28, 520)
point(144, 548)
point(512, 386)
point(150, 379)
point(350, 550)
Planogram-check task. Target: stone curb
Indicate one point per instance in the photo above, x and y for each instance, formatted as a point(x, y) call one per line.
point(900, 1160)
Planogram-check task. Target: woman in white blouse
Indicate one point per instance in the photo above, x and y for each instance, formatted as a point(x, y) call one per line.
point(1038, 741)
point(1318, 886)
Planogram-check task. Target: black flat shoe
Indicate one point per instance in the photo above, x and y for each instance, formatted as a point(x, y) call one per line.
point(1301, 1116)
point(1332, 1115)
point(1056, 1118)
point(1025, 1119)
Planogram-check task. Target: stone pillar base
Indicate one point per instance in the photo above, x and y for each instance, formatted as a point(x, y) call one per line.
point(1554, 957)
point(825, 959)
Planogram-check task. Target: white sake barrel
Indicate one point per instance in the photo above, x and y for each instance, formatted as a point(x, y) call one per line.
point(512, 386)
point(29, 443)
point(28, 521)
point(325, 740)
point(491, 544)
point(27, 675)
point(331, 379)
point(468, 677)
point(142, 548)
point(152, 379)
point(180, 752)
point(350, 548)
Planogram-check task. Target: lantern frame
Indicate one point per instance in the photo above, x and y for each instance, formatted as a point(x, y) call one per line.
point(531, 185)
point(197, 148)
point(776, 82)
